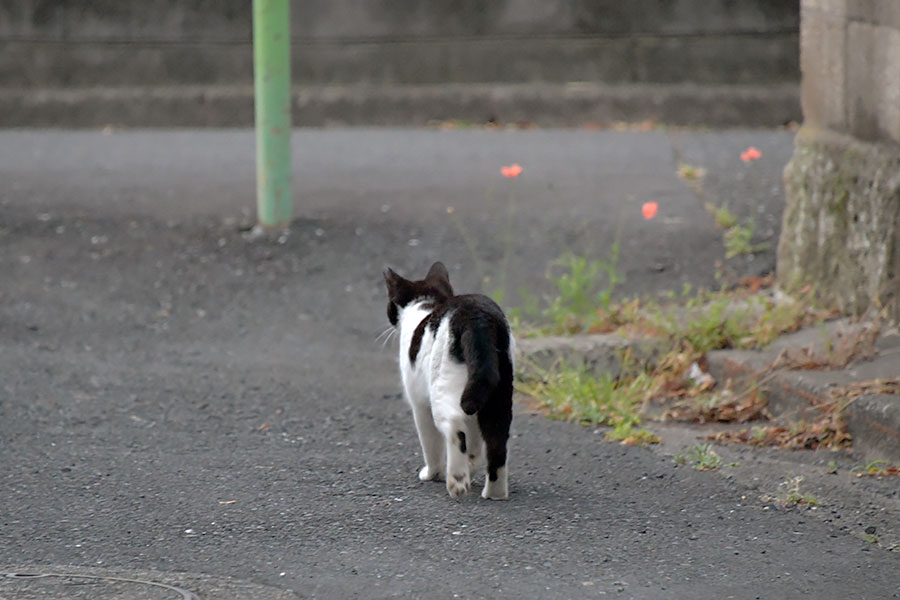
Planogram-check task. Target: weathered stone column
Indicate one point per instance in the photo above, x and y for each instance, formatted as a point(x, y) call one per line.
point(841, 228)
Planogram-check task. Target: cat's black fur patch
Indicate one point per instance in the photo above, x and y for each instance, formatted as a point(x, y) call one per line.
point(416, 342)
point(480, 339)
point(392, 313)
point(462, 441)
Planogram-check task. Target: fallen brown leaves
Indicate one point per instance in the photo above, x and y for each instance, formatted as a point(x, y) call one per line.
point(829, 432)
point(753, 283)
point(696, 398)
point(722, 407)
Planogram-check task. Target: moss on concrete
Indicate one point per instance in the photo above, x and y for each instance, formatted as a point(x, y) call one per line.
point(841, 226)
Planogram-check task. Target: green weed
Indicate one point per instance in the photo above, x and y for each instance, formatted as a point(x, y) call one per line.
point(738, 238)
point(792, 496)
point(774, 320)
point(690, 173)
point(701, 457)
point(714, 327)
point(573, 394)
point(632, 436)
point(584, 286)
point(870, 468)
point(724, 218)
point(759, 434)
point(716, 320)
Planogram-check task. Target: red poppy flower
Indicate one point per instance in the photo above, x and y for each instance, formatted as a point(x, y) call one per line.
point(511, 171)
point(750, 153)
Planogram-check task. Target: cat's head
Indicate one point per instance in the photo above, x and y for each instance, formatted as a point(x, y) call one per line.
point(401, 292)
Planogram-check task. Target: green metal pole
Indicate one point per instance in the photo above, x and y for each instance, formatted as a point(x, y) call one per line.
point(272, 89)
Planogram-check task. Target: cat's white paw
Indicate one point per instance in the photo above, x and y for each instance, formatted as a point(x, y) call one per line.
point(496, 490)
point(427, 473)
point(492, 491)
point(489, 494)
point(458, 484)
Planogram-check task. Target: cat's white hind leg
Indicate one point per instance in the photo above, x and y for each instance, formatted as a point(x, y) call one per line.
point(446, 389)
point(453, 425)
point(459, 479)
point(431, 440)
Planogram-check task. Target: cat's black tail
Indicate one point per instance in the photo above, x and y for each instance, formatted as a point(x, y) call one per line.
point(480, 350)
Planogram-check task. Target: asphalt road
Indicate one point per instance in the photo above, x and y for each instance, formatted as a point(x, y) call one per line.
point(176, 399)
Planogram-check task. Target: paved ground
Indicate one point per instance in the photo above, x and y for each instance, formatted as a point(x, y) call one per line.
point(180, 402)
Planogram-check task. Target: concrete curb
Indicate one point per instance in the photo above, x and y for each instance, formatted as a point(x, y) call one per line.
point(872, 419)
point(548, 105)
point(598, 353)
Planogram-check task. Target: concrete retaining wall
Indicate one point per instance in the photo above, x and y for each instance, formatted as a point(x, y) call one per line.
point(841, 230)
point(91, 44)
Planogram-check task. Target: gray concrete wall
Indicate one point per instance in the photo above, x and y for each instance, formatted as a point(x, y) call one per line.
point(841, 230)
point(83, 44)
point(851, 67)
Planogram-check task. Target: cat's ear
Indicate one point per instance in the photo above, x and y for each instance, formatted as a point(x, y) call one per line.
point(439, 278)
point(390, 280)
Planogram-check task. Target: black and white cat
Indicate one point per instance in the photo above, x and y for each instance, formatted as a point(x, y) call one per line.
point(456, 362)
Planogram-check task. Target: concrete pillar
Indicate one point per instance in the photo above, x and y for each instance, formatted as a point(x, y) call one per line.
point(841, 227)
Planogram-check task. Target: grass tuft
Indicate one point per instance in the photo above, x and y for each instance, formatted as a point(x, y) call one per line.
point(789, 494)
point(737, 237)
point(573, 394)
point(701, 457)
